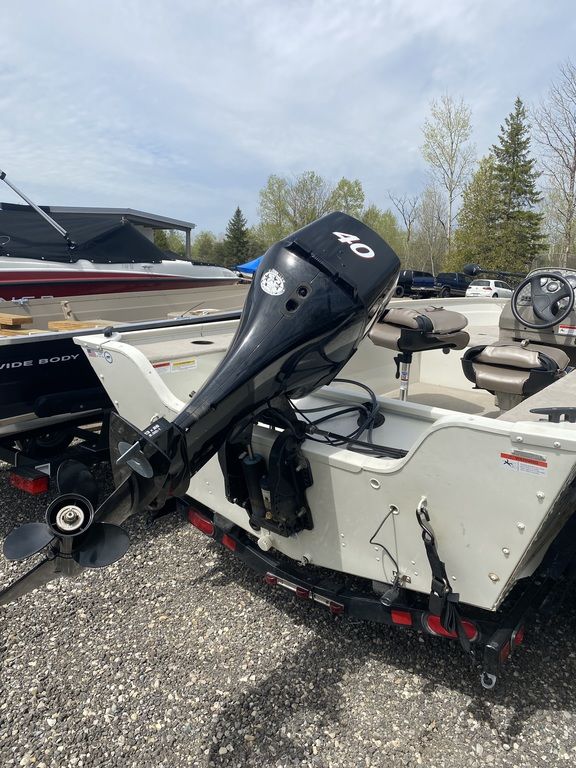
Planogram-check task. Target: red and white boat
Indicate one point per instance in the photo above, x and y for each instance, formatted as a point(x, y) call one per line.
point(54, 251)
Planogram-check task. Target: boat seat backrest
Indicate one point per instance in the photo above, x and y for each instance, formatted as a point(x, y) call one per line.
point(517, 369)
point(415, 330)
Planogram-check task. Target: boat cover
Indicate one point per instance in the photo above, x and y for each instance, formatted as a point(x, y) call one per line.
point(250, 267)
point(100, 238)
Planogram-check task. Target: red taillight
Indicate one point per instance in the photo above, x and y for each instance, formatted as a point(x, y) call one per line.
point(271, 579)
point(229, 542)
point(505, 652)
point(199, 521)
point(518, 637)
point(402, 617)
point(434, 625)
point(336, 609)
point(29, 480)
point(303, 592)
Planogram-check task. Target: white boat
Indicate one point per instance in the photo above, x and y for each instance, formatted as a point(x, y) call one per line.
point(52, 251)
point(91, 251)
point(420, 453)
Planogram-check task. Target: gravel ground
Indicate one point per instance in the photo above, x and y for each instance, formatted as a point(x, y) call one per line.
point(180, 656)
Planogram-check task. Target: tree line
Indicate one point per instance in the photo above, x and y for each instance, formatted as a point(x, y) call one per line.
point(508, 210)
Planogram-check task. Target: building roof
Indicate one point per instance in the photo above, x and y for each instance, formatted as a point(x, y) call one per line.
point(141, 218)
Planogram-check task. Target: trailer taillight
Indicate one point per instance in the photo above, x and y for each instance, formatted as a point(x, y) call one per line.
point(303, 592)
point(402, 617)
point(336, 609)
point(229, 542)
point(433, 624)
point(198, 520)
point(271, 580)
point(29, 480)
point(518, 637)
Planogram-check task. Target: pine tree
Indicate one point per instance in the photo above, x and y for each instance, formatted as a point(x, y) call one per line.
point(520, 238)
point(476, 239)
point(236, 240)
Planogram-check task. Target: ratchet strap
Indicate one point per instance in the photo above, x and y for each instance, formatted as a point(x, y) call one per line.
point(443, 600)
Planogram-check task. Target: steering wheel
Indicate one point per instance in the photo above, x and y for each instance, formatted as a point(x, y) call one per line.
point(543, 293)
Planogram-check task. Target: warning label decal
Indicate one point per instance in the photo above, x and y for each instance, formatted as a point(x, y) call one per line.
point(567, 330)
point(176, 365)
point(184, 365)
point(514, 462)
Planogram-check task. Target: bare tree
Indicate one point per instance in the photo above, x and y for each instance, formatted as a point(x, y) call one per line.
point(555, 121)
point(407, 207)
point(447, 150)
point(552, 209)
point(430, 232)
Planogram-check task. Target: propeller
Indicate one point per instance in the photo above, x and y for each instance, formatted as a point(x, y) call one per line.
point(105, 544)
point(78, 532)
point(75, 477)
point(27, 540)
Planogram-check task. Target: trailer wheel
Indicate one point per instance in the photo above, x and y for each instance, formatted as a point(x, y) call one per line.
point(45, 444)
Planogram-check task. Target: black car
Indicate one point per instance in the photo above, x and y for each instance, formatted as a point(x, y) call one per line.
point(451, 284)
point(412, 282)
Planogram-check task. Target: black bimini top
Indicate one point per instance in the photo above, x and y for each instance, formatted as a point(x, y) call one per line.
point(103, 238)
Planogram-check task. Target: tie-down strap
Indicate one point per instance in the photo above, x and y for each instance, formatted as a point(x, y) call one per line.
point(443, 601)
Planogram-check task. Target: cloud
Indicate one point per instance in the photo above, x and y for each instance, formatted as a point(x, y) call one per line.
point(185, 108)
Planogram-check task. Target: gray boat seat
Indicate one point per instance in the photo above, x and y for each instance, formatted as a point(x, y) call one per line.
point(513, 372)
point(417, 330)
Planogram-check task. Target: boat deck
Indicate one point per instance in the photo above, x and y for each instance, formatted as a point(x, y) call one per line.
point(474, 401)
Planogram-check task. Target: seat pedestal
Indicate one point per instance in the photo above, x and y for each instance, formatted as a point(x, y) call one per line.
point(409, 330)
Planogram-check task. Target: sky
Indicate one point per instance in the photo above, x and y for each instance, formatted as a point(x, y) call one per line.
point(184, 108)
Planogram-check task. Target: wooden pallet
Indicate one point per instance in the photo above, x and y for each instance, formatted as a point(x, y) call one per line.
point(77, 325)
point(8, 320)
point(19, 331)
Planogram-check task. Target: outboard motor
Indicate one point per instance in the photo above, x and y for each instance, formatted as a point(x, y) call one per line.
point(314, 297)
point(310, 304)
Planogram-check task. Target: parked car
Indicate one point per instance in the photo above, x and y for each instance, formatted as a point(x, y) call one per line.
point(451, 284)
point(411, 282)
point(490, 288)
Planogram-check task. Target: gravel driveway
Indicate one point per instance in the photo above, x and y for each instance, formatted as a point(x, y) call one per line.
point(180, 656)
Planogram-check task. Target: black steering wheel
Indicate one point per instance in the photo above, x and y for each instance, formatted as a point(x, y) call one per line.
point(543, 294)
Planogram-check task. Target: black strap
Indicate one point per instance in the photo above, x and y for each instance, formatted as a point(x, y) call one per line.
point(443, 600)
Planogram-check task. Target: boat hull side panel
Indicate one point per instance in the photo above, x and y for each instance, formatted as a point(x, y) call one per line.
point(32, 371)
